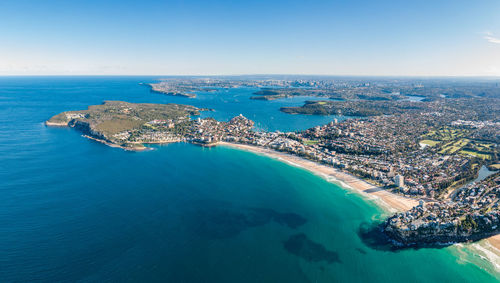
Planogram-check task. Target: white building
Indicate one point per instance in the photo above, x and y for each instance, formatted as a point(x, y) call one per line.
point(399, 181)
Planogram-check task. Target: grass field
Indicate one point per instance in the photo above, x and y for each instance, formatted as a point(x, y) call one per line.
point(446, 134)
point(449, 140)
point(309, 142)
point(476, 154)
point(429, 142)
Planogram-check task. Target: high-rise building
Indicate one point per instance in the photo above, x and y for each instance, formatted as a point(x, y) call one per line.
point(399, 181)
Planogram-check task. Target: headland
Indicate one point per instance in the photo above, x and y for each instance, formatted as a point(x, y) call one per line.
point(348, 152)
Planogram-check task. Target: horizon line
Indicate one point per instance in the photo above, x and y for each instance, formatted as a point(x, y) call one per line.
point(243, 75)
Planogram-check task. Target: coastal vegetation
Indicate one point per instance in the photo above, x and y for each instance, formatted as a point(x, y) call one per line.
point(121, 123)
point(429, 149)
point(131, 125)
point(359, 108)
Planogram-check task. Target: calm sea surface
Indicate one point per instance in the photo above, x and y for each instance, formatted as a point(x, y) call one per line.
point(72, 209)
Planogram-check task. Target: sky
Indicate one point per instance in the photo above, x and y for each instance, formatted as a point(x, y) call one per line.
point(203, 37)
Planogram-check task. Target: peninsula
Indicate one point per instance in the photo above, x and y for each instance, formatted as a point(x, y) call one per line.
point(172, 89)
point(127, 125)
point(428, 154)
point(132, 125)
point(330, 89)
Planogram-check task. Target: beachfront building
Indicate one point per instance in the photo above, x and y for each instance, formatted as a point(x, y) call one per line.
point(399, 181)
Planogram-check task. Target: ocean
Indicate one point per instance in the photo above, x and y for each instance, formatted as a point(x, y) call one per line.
point(72, 209)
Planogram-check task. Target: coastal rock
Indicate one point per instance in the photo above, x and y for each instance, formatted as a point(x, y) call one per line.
point(472, 228)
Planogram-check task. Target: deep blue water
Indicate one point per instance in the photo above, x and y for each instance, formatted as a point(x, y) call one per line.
point(72, 209)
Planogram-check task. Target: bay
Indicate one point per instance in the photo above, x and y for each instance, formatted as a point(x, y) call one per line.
point(75, 210)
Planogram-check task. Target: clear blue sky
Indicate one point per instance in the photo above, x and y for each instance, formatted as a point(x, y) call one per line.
point(414, 37)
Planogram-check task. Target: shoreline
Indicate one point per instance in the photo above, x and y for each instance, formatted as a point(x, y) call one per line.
point(488, 249)
point(182, 94)
point(142, 148)
point(55, 124)
point(384, 199)
point(388, 201)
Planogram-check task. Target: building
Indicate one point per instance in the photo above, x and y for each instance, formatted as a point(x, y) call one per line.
point(399, 181)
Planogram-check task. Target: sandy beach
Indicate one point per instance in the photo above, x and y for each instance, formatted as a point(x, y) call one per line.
point(387, 200)
point(495, 242)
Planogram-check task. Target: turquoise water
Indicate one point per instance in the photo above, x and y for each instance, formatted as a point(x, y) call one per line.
point(75, 210)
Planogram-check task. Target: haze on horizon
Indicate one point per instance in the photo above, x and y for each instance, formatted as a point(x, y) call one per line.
point(194, 37)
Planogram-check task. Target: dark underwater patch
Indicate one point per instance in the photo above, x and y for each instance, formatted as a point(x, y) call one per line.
point(291, 220)
point(301, 246)
point(361, 251)
point(226, 221)
point(220, 224)
point(371, 235)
